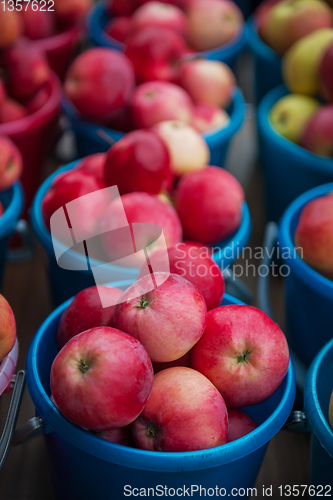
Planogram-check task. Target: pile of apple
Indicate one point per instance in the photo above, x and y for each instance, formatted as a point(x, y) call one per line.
point(174, 27)
point(7, 328)
point(158, 372)
point(102, 85)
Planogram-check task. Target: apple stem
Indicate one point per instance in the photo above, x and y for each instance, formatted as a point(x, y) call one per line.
point(83, 366)
point(243, 357)
point(143, 303)
point(151, 431)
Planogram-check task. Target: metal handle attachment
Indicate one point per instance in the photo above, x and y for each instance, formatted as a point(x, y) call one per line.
point(14, 408)
point(297, 422)
point(27, 431)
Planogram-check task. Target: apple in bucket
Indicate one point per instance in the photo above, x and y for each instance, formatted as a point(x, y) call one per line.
point(11, 163)
point(240, 424)
point(159, 14)
point(7, 328)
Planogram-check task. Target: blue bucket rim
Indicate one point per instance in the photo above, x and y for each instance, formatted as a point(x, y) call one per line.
point(312, 407)
point(102, 39)
point(237, 239)
point(152, 460)
point(13, 210)
point(257, 45)
point(310, 160)
point(309, 276)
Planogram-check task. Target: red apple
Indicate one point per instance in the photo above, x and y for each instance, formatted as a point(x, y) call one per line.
point(314, 234)
point(210, 82)
point(11, 111)
point(93, 164)
point(70, 12)
point(212, 23)
point(168, 320)
point(119, 28)
point(3, 92)
point(160, 14)
point(183, 361)
point(178, 3)
point(261, 13)
point(209, 204)
point(185, 412)
point(243, 353)
point(155, 52)
point(318, 133)
point(122, 435)
point(240, 424)
point(139, 161)
point(326, 74)
point(11, 163)
point(194, 264)
point(28, 69)
point(86, 311)
point(101, 379)
point(38, 101)
point(99, 83)
point(7, 328)
point(10, 26)
point(120, 7)
point(155, 102)
point(134, 222)
point(38, 24)
point(187, 148)
point(207, 118)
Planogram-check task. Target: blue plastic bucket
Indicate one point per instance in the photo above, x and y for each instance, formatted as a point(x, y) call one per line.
point(87, 467)
point(267, 63)
point(289, 170)
point(88, 141)
point(97, 19)
point(308, 294)
point(317, 392)
point(12, 200)
point(65, 283)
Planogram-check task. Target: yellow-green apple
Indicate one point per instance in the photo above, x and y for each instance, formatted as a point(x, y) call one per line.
point(326, 74)
point(168, 320)
point(212, 23)
point(290, 115)
point(139, 161)
point(135, 222)
point(88, 366)
point(187, 148)
point(243, 353)
point(11, 163)
point(185, 412)
point(195, 264)
point(99, 83)
point(240, 424)
point(7, 328)
point(209, 204)
point(86, 311)
point(38, 23)
point(300, 63)
point(11, 110)
point(260, 16)
point(10, 26)
point(290, 20)
point(160, 14)
point(330, 411)
point(318, 133)
point(207, 118)
point(70, 12)
point(93, 164)
point(211, 82)
point(155, 52)
point(154, 102)
point(314, 234)
point(119, 28)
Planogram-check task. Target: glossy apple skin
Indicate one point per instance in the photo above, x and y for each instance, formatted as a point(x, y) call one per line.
point(119, 28)
point(209, 204)
point(185, 412)
point(213, 23)
point(243, 353)
point(168, 320)
point(210, 82)
point(155, 102)
point(139, 161)
point(314, 234)
point(326, 74)
point(139, 208)
point(87, 367)
point(38, 24)
point(195, 265)
point(154, 53)
point(11, 111)
point(86, 311)
point(11, 163)
point(7, 328)
point(240, 424)
point(162, 15)
point(93, 164)
point(121, 7)
point(318, 133)
point(87, 83)
point(207, 118)
point(11, 27)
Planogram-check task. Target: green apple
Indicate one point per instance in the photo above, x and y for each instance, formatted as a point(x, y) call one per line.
point(300, 64)
point(330, 411)
point(290, 20)
point(290, 115)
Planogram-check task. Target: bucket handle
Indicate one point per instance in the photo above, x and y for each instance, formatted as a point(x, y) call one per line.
point(13, 411)
point(27, 251)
